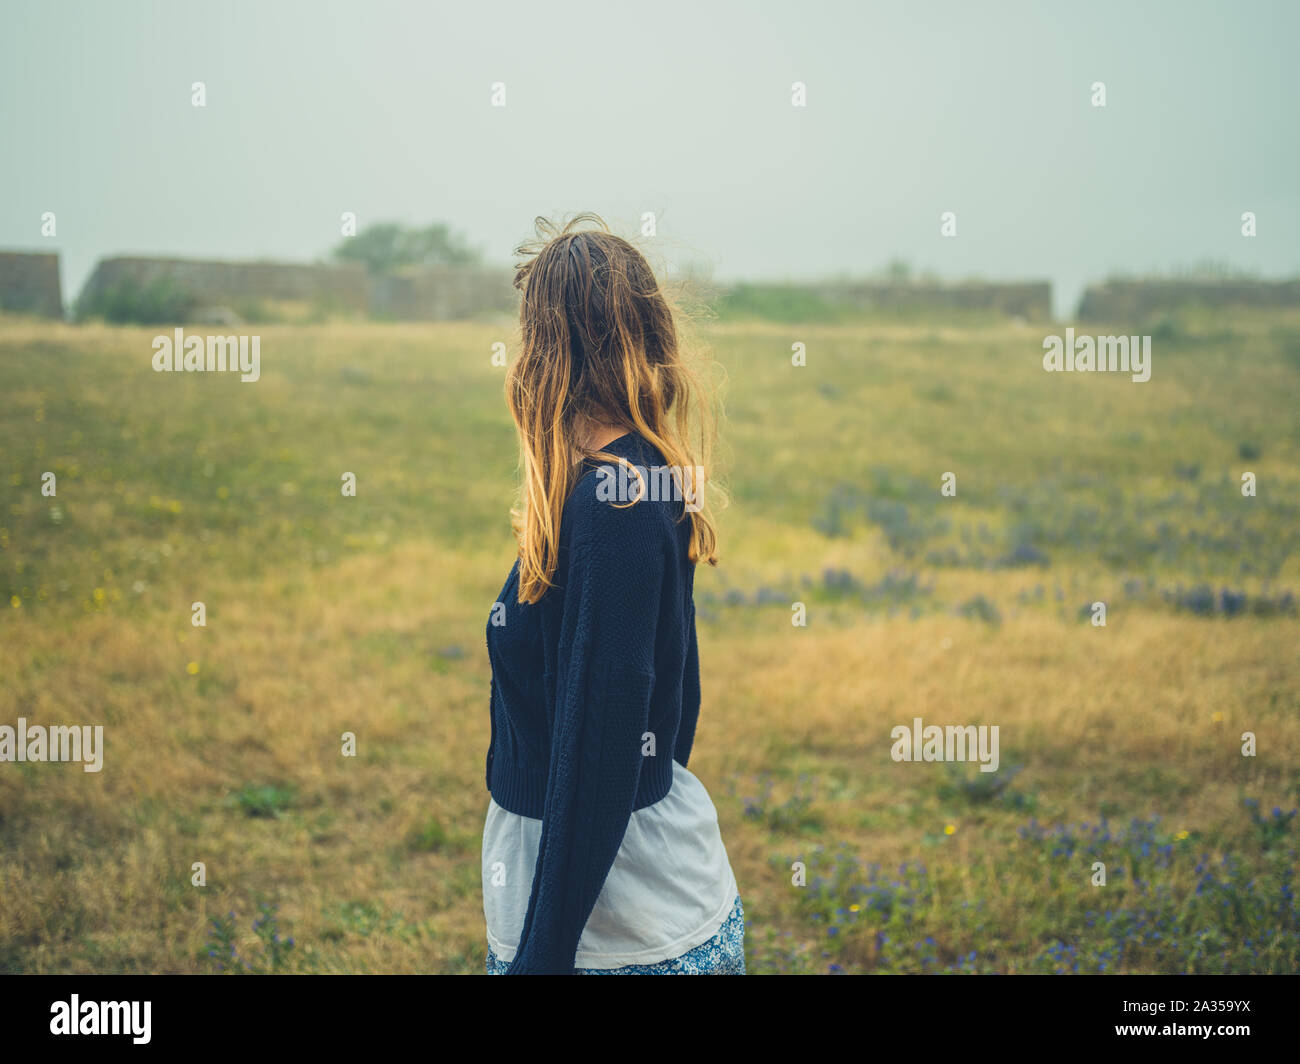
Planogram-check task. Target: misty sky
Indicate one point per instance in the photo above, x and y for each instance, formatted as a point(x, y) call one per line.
point(681, 108)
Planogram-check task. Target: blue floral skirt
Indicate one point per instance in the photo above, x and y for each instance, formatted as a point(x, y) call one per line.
point(723, 954)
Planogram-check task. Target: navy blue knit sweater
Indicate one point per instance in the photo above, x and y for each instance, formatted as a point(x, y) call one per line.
point(595, 692)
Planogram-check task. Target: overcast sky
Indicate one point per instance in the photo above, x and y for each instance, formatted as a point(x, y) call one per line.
point(681, 108)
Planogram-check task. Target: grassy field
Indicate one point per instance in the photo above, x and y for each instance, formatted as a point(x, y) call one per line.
point(329, 614)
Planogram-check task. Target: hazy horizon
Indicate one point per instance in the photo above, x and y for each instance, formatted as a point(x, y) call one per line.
point(385, 110)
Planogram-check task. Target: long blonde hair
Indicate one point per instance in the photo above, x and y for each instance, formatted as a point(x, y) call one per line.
point(599, 344)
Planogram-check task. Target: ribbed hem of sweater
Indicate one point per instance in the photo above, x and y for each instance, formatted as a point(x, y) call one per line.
point(518, 789)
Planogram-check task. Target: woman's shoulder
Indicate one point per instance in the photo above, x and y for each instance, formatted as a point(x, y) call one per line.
point(636, 496)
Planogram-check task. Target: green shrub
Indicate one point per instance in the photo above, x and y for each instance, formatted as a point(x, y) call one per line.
point(158, 302)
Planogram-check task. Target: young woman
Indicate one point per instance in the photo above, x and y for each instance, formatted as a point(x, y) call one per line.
point(601, 851)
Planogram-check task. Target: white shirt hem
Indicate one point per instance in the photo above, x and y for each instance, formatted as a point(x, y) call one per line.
point(652, 955)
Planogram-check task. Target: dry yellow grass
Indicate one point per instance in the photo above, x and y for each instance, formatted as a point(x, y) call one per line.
point(324, 621)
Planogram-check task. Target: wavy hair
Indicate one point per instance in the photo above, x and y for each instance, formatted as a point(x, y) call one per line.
point(599, 345)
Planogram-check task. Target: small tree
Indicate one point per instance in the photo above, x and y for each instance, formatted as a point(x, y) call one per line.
point(386, 246)
point(898, 271)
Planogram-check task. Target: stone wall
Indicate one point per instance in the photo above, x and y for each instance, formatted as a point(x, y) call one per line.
point(436, 293)
point(417, 294)
point(1126, 301)
point(29, 283)
point(227, 283)
point(1030, 300)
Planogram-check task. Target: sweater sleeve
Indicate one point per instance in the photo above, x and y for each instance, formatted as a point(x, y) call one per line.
point(604, 683)
point(690, 695)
